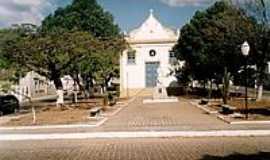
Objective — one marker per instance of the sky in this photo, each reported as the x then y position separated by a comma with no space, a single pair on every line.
129,14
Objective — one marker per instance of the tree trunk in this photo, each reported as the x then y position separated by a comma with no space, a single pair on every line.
226,85
77,83
260,79
260,92
204,84
210,90
89,85
106,85
60,92
75,92
34,115
103,89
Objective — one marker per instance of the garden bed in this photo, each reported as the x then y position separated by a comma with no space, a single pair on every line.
258,111
240,104
49,114
52,115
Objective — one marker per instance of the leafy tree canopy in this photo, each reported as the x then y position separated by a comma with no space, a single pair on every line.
212,39
259,10
51,55
9,70
82,15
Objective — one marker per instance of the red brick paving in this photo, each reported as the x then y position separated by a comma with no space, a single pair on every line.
140,149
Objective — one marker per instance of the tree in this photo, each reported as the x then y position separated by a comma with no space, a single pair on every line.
52,54
100,66
89,16
210,43
10,71
82,15
259,10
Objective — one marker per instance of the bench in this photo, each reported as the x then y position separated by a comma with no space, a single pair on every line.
238,115
96,111
204,101
227,109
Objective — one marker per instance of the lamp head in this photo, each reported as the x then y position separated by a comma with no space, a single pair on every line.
245,48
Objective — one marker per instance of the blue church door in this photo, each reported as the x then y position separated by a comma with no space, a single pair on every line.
151,74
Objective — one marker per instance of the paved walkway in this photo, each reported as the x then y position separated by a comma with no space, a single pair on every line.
181,116
233,148
161,116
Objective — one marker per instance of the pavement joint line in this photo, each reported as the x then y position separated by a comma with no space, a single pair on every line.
124,135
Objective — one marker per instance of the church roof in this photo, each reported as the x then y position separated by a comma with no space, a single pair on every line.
152,31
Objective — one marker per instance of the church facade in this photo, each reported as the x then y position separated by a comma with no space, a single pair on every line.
150,49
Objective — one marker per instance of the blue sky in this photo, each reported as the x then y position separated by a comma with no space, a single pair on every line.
131,13
127,13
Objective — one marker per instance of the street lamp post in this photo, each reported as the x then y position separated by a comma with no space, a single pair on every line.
245,48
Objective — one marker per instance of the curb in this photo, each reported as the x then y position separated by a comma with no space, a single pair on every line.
55,126
250,122
242,122
124,135
203,108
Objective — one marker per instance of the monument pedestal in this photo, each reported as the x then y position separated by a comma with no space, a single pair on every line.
160,94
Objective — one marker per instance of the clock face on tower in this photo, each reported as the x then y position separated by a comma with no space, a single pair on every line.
152,53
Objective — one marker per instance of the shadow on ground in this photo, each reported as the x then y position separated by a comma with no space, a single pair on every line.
237,156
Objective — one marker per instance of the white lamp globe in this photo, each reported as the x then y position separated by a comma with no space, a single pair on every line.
245,48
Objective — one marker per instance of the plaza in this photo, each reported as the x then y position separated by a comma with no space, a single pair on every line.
135,80
142,131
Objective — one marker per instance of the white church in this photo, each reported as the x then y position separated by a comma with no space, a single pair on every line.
150,50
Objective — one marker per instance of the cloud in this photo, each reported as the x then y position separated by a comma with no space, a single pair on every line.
176,3
25,11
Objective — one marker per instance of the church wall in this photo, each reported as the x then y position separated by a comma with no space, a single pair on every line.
133,75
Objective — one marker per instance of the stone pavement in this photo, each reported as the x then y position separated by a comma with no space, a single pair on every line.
253,148
180,116
161,116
